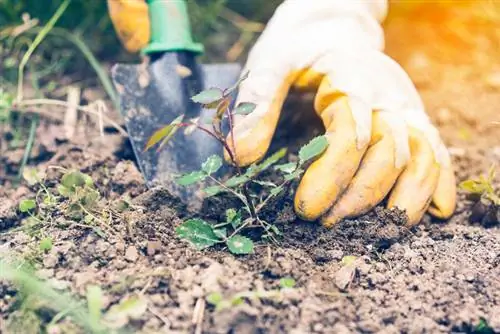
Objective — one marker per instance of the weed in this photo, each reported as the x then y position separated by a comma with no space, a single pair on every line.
220,303
202,234
35,296
74,197
483,187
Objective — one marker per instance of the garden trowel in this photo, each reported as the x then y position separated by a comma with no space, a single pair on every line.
154,94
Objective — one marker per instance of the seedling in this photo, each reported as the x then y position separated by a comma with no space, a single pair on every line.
76,198
483,187
220,303
202,234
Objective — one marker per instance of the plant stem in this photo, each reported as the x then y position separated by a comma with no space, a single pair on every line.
241,197
38,39
29,146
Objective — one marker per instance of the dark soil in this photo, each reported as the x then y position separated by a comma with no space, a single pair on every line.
437,277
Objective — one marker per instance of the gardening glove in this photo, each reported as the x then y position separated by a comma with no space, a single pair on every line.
131,22
381,142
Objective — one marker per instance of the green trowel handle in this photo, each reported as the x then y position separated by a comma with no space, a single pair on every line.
170,27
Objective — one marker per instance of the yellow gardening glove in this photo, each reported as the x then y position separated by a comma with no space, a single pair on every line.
381,141
131,21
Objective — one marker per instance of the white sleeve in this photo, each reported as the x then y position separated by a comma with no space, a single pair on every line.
359,20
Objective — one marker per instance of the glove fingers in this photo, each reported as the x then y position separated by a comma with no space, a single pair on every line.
253,133
131,22
374,179
445,197
328,176
416,185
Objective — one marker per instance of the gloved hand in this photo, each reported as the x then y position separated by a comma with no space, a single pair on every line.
380,139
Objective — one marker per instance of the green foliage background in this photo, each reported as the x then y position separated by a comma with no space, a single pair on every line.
89,18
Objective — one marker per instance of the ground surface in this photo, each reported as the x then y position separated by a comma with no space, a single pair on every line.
437,277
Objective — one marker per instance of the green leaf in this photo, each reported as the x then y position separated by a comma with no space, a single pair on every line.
46,244
312,149
233,217
237,84
74,179
27,205
63,191
214,298
212,164
198,232
191,178
286,168
212,191
287,282
164,133
271,160
240,245
244,108
95,305
221,233
236,181
208,96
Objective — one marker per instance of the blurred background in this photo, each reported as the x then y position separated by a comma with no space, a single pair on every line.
227,28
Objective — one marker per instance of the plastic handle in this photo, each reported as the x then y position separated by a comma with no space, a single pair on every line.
170,27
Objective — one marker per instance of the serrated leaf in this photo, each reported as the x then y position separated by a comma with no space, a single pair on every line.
191,178
233,217
46,244
198,232
208,96
313,149
163,134
27,205
236,181
287,282
212,164
214,298
286,168
244,108
240,245
212,191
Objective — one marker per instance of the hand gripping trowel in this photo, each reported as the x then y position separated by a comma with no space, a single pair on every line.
153,95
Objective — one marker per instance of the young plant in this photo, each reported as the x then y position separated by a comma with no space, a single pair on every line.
483,187
76,198
202,234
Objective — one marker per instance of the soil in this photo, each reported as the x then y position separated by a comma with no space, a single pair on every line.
437,277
